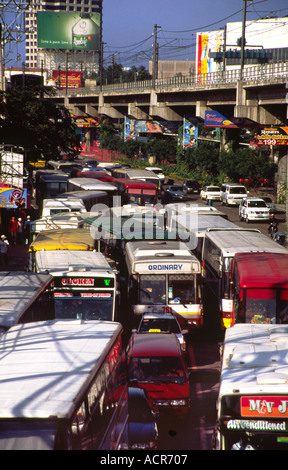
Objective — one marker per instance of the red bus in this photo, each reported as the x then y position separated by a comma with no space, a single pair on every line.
259,288
99,175
136,191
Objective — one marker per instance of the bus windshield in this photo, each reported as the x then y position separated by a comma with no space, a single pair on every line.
95,306
153,289
156,369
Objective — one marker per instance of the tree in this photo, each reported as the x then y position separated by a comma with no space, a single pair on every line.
30,118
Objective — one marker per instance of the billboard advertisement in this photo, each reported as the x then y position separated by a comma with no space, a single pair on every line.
190,132
12,198
273,136
207,43
74,79
68,30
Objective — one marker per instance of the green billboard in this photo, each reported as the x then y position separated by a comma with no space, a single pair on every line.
68,30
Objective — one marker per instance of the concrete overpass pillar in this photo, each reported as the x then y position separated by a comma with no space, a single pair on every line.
201,107
162,110
136,112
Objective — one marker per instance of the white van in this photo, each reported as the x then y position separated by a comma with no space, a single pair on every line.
232,194
56,206
157,171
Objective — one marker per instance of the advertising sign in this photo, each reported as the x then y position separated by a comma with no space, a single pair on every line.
206,43
216,119
264,407
11,198
190,133
74,79
273,136
134,128
68,30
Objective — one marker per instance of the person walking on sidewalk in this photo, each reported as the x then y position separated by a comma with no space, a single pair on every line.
13,229
4,250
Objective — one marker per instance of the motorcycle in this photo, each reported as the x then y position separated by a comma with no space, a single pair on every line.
273,229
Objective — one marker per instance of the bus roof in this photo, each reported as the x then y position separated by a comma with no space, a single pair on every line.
262,269
72,261
99,175
156,344
17,291
243,240
63,239
167,256
255,360
134,173
44,366
200,222
81,194
92,183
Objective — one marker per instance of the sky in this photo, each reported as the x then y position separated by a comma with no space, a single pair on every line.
128,25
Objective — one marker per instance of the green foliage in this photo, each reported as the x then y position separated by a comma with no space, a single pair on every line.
31,118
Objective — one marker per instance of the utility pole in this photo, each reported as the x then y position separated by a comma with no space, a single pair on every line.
155,57
243,40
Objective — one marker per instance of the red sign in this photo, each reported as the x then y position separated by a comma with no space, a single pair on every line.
66,281
74,79
265,407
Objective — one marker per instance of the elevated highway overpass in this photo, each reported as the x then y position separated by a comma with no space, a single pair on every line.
260,95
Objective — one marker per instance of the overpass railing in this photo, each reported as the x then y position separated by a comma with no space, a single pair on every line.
261,74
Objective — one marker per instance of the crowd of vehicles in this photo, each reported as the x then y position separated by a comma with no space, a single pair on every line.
123,288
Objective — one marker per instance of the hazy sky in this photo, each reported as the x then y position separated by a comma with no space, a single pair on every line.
128,25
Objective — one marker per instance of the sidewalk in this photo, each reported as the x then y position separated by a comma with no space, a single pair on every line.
17,258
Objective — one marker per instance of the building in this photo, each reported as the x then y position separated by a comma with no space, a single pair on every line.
55,56
174,68
266,41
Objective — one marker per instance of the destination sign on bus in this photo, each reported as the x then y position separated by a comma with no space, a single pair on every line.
83,282
163,267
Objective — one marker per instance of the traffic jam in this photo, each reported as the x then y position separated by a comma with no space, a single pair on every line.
200,294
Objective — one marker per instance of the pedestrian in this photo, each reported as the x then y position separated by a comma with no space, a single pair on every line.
20,231
27,227
13,229
4,250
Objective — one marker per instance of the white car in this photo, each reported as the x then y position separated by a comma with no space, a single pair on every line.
253,209
269,203
162,323
211,193
157,171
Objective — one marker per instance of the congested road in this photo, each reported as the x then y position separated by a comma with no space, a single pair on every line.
196,433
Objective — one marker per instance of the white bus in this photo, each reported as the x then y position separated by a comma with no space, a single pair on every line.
219,248
61,382
85,285
25,297
164,276
92,184
66,220
87,198
59,205
252,411
191,227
